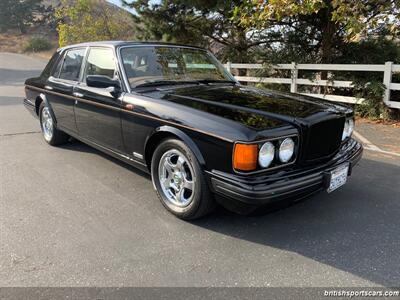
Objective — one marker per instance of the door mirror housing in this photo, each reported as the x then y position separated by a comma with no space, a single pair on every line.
105,82
101,81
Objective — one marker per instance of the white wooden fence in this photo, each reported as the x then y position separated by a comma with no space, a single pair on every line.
388,69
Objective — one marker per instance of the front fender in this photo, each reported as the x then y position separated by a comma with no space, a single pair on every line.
181,135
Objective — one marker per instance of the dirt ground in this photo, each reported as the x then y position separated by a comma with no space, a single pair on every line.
15,43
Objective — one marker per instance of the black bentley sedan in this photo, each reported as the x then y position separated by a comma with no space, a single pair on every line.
175,112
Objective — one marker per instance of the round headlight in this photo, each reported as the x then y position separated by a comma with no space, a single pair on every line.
286,150
266,154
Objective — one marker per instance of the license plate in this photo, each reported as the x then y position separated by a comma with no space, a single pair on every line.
338,177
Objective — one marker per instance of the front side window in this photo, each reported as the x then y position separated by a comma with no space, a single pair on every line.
153,64
71,66
100,62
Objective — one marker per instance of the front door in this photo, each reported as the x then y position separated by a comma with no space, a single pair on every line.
97,112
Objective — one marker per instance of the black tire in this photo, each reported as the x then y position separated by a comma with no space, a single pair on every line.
57,137
202,201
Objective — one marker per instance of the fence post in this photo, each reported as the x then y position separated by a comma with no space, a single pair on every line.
294,73
387,79
228,66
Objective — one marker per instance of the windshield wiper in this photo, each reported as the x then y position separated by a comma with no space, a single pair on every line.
156,83
206,81
165,82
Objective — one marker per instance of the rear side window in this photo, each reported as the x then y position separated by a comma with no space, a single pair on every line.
71,67
100,61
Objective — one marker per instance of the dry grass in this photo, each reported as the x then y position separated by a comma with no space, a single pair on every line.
15,43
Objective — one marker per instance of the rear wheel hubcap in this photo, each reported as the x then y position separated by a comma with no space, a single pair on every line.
47,124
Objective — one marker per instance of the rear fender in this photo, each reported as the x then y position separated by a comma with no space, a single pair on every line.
44,98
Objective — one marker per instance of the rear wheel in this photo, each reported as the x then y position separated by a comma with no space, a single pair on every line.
179,181
51,134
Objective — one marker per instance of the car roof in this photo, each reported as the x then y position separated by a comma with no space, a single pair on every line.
117,44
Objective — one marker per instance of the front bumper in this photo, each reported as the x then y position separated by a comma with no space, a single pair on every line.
294,184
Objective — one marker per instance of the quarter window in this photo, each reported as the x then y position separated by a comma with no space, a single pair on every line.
57,69
71,67
50,65
100,62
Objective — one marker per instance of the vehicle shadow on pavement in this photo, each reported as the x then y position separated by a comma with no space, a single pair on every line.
355,229
75,145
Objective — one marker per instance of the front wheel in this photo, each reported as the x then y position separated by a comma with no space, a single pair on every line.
51,134
179,181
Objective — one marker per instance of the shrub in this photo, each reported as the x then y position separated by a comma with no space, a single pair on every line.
38,44
373,106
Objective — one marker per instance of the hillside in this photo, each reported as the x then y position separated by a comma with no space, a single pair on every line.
15,42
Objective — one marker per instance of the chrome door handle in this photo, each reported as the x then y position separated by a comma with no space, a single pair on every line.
79,95
47,87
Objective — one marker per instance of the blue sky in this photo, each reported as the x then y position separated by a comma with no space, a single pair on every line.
118,2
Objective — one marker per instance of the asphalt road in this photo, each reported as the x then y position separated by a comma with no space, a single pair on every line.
71,216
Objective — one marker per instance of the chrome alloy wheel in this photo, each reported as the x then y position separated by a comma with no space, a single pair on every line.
176,177
47,124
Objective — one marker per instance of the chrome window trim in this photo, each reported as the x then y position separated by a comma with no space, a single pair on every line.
121,67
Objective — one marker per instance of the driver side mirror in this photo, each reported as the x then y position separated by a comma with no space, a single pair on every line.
101,81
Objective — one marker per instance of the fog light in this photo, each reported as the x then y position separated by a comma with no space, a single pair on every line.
351,127
345,130
286,150
266,154
348,129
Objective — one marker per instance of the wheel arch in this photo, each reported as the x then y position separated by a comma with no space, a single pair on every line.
164,132
38,101
42,98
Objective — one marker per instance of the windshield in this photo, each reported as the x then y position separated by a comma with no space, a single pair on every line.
152,65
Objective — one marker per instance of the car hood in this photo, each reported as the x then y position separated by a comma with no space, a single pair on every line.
256,108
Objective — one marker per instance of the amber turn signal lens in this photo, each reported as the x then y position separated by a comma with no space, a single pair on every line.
245,157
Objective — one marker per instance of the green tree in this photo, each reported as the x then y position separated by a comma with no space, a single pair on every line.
331,31
200,22
324,25
18,14
91,20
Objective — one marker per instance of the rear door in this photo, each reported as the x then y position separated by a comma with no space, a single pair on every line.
97,112
60,86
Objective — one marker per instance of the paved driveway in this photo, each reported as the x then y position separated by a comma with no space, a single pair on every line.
71,216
